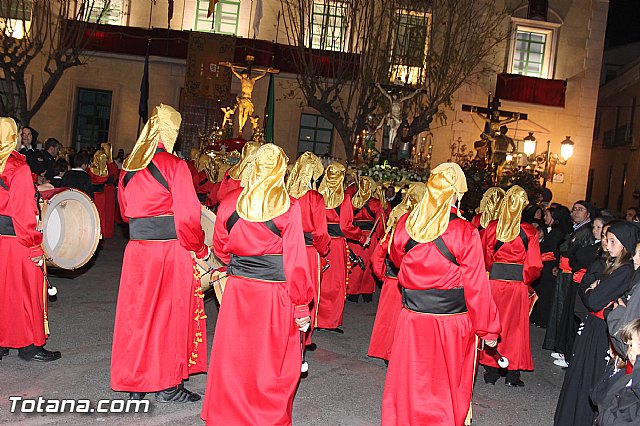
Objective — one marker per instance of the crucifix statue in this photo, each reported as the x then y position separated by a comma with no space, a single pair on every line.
243,73
496,121
394,117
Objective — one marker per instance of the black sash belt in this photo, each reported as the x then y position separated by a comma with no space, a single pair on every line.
506,271
365,225
202,197
435,301
265,268
392,270
308,238
98,188
111,180
6,226
152,228
334,230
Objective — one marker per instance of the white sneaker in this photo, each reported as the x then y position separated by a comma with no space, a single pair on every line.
557,355
561,363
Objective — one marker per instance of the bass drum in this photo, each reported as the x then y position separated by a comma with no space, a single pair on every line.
210,275
71,229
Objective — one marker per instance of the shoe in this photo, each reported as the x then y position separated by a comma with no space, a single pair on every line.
367,298
491,379
137,395
43,355
353,298
557,355
177,394
4,352
333,330
311,347
517,384
561,363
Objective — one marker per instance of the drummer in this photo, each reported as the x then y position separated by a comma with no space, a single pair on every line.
23,309
160,335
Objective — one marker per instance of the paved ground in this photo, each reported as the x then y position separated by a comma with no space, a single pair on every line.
344,386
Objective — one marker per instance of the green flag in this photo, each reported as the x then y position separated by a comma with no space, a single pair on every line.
269,114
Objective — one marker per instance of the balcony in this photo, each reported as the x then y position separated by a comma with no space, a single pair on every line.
533,90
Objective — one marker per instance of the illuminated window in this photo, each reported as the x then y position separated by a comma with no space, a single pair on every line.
409,47
224,19
108,12
15,18
328,25
532,50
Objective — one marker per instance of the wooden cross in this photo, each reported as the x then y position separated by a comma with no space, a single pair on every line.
494,117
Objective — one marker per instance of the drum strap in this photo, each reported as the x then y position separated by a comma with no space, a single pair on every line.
3,185
440,245
523,237
153,169
269,224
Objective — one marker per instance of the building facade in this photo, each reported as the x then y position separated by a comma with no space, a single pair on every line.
560,53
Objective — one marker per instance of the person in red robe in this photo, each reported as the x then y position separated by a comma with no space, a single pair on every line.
390,303
99,175
159,336
300,185
368,215
488,209
447,306
232,177
23,290
512,258
334,280
109,192
257,348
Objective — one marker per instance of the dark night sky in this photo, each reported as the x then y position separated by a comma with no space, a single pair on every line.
623,25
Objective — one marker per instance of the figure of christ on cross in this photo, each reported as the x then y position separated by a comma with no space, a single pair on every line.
394,117
243,73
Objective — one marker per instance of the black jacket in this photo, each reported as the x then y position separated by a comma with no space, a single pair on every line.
574,241
78,180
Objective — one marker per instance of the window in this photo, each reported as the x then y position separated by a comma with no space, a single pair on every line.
328,25
315,134
224,19
4,93
15,18
532,49
93,112
409,46
109,12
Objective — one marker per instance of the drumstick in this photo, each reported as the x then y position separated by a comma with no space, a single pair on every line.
368,240
503,362
51,290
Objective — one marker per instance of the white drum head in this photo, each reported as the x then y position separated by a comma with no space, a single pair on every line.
71,229
208,222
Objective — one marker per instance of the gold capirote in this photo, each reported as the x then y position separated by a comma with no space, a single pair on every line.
162,127
305,171
430,218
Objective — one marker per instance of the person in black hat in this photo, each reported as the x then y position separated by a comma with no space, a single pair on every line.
563,324
589,361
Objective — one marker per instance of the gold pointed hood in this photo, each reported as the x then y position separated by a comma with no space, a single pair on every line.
163,126
264,195
248,151
514,202
8,140
366,188
306,169
331,186
430,218
99,165
490,205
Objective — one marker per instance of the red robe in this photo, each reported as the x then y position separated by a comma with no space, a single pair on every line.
256,354
314,222
351,190
110,200
227,185
475,221
389,306
431,369
333,282
99,198
159,337
22,286
212,195
512,297
362,282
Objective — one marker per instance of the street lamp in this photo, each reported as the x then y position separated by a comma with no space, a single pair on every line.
530,144
566,148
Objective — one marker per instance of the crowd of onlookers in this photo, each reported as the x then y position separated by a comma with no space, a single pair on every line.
51,163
